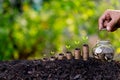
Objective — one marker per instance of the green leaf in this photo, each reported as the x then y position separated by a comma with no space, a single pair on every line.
77,42
68,46
52,52
85,38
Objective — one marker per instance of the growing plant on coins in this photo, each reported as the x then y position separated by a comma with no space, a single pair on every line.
77,44
52,53
84,39
67,47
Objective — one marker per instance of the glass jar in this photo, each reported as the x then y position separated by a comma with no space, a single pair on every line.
103,50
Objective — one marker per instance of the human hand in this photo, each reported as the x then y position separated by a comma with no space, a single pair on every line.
110,20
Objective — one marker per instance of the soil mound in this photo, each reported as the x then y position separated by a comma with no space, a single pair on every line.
92,69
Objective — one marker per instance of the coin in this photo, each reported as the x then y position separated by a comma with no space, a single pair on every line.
98,50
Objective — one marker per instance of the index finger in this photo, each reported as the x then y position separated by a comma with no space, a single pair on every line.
101,21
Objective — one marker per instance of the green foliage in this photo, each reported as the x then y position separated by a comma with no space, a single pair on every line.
26,32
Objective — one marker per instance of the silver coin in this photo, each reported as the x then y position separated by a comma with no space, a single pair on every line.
98,50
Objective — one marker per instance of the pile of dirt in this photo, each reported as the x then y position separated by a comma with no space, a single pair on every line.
92,69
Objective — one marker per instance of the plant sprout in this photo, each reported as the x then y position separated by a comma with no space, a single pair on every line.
76,43
85,39
44,55
52,52
68,46
59,50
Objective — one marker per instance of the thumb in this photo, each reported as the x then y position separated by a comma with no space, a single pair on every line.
111,25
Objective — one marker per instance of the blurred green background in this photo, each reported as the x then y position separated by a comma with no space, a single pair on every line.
32,29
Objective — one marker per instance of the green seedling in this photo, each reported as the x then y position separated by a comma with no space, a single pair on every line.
52,52
85,39
67,46
77,43
44,55
59,50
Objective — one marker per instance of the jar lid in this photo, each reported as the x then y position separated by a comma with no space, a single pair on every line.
104,42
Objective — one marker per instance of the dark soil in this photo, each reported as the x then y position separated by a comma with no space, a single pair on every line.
59,70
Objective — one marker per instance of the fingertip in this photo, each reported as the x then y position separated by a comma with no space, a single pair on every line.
100,23
108,28
100,28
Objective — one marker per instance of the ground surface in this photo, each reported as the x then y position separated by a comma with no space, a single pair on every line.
59,70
